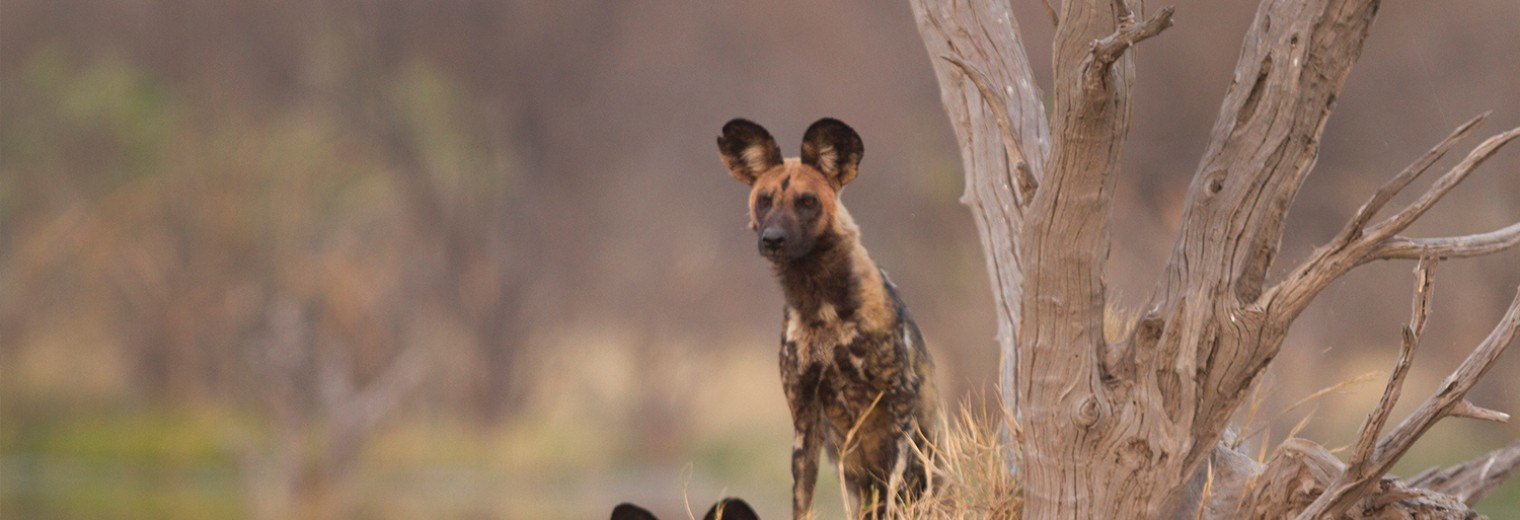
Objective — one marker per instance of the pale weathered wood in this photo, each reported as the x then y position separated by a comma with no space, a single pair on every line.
1359,473
1067,415
1395,185
1448,247
1472,480
1353,485
1360,466
1131,428
1358,244
1204,323
984,35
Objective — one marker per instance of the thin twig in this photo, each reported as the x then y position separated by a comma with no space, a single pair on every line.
1472,480
1471,411
1355,482
1356,478
1442,186
1393,186
1366,437
1027,184
1357,244
1108,49
1448,247
1454,388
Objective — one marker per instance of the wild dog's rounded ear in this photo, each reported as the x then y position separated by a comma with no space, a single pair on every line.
627,511
731,509
833,148
748,150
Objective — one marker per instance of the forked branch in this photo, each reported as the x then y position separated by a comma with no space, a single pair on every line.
1368,466
1472,480
1358,243
1108,49
1357,476
1401,220
1394,186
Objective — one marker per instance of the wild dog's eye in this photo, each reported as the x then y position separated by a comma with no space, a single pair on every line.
808,201
763,202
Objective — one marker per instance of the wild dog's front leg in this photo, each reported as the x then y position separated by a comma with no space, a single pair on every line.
806,446
800,380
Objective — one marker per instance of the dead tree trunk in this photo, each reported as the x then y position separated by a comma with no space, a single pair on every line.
1130,428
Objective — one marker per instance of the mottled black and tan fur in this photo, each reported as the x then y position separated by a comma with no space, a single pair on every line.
853,364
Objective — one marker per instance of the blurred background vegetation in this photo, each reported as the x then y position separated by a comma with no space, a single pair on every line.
478,259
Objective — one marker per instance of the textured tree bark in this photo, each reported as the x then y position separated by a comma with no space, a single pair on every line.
982,39
1131,428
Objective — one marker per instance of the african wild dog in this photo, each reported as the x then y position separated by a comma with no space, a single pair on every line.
854,367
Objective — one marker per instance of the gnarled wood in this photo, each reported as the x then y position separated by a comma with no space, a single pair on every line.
1472,480
984,36
1068,414
1132,428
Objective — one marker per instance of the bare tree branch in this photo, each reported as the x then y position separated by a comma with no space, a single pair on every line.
1366,436
1471,411
1294,61
1388,190
1108,49
984,34
1356,245
1356,475
1398,247
1472,480
1205,331
1027,184
1401,220
1354,483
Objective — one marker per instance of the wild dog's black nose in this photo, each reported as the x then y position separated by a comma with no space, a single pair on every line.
772,238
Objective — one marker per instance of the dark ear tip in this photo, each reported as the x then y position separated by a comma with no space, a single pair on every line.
835,130
830,124
733,509
740,125
627,511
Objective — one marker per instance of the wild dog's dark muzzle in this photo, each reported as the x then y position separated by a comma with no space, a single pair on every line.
780,243
772,240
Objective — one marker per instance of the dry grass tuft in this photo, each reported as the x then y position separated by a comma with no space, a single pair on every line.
972,478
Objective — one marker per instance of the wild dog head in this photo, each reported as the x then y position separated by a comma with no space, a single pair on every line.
726,509
792,202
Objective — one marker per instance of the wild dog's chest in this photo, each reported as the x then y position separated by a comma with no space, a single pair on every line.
834,356
844,370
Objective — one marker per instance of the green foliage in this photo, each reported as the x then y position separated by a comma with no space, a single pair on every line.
106,108
117,463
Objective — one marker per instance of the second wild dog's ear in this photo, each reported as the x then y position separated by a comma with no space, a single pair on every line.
748,150
627,511
731,509
834,149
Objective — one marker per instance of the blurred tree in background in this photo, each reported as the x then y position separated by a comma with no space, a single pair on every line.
391,259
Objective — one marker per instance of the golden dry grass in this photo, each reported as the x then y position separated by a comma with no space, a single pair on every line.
972,477
972,480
